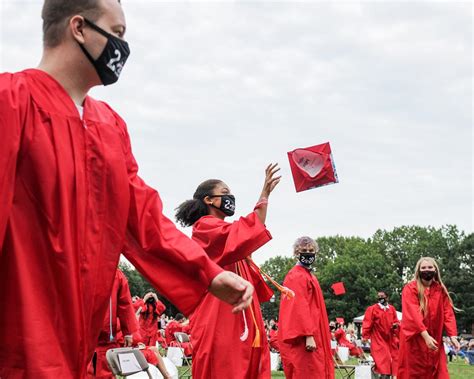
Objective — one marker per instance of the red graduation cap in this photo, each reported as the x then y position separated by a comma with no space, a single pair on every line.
312,167
338,288
340,320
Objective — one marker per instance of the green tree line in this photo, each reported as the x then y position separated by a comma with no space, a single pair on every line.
384,261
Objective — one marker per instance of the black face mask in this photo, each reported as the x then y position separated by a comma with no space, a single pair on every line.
427,275
307,259
382,300
227,204
110,62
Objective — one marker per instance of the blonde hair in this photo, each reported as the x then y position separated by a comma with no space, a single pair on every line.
304,241
421,287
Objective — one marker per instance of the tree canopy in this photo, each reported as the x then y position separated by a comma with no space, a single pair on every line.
383,262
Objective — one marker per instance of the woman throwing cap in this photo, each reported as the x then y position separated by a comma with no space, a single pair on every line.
229,345
427,311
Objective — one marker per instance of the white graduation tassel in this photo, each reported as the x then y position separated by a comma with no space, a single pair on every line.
245,334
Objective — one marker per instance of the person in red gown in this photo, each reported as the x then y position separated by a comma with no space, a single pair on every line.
380,322
229,345
149,316
341,338
119,309
178,325
120,329
273,337
428,311
138,303
304,337
71,201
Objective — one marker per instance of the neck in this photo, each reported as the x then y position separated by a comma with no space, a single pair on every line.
72,73
426,283
216,212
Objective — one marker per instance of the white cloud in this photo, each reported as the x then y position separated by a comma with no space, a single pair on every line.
221,89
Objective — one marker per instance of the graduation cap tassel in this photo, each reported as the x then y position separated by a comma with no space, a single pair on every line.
256,340
245,334
285,291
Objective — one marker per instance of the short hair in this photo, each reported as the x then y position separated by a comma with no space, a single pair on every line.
305,241
56,15
179,317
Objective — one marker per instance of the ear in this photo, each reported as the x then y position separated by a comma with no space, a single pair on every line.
76,26
207,200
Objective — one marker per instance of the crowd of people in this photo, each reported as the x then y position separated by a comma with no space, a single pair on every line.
302,334
71,201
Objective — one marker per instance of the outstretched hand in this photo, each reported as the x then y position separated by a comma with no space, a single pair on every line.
271,180
232,289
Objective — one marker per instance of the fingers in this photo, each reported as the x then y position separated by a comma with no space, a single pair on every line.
274,183
245,299
272,170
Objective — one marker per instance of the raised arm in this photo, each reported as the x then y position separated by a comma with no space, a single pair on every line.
175,265
269,185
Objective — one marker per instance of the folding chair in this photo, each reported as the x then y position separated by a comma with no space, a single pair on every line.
180,339
126,361
343,371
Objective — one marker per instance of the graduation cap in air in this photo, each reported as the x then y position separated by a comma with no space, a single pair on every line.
312,167
338,288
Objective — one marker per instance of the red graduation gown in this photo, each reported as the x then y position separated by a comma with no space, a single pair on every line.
70,200
138,304
415,359
304,315
172,328
149,325
377,326
215,331
119,321
177,327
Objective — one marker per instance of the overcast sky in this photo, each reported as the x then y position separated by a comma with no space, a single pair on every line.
220,89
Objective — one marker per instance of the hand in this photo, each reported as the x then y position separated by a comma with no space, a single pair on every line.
232,289
456,344
431,343
270,180
128,341
310,344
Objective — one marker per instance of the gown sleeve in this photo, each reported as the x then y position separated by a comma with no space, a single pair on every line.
227,243
412,322
367,323
449,318
296,318
174,264
125,311
14,97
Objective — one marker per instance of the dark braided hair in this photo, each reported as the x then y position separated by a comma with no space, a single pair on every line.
192,210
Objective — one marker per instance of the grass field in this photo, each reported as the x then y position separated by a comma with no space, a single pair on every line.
457,370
